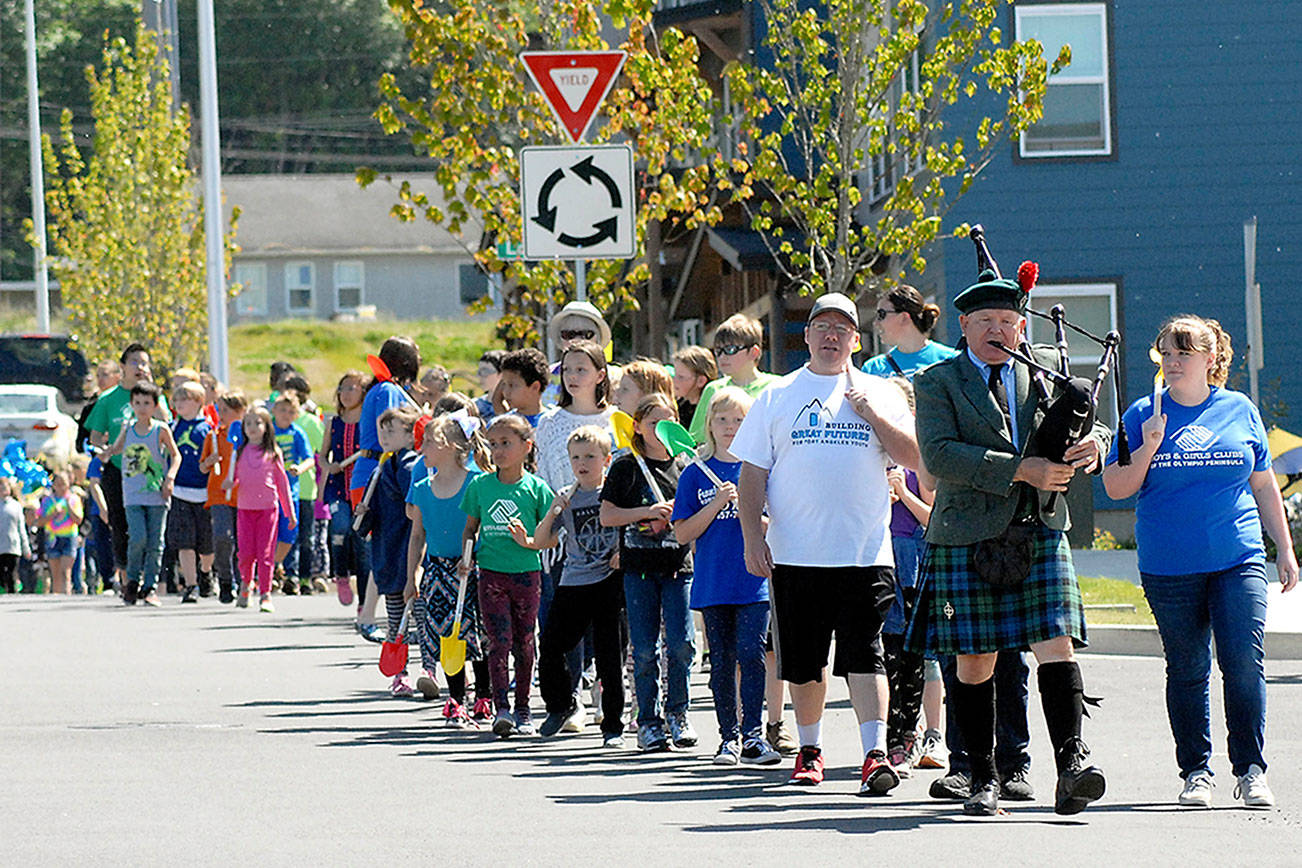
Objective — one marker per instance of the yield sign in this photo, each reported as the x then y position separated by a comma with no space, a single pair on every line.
575,83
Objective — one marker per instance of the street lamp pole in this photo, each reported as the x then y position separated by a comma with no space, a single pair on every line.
42,274
213,222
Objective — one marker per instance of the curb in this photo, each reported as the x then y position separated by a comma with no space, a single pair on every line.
1140,641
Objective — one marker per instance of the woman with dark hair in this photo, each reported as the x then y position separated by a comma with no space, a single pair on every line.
1205,489
905,322
402,357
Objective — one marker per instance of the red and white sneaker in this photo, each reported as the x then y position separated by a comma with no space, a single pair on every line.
399,688
809,768
483,711
877,777
455,716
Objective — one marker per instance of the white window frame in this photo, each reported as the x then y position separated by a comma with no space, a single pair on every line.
291,285
361,285
1066,77
1083,351
255,268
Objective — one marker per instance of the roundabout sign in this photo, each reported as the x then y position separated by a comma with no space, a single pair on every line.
578,201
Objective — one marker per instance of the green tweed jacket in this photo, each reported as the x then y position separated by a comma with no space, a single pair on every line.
967,446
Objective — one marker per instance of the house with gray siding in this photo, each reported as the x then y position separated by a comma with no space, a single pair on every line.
321,247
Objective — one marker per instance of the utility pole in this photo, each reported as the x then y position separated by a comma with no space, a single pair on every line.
160,17
41,272
213,218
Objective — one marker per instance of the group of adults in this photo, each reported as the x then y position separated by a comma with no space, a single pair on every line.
997,575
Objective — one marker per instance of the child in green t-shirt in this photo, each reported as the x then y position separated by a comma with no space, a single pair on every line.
509,574
738,344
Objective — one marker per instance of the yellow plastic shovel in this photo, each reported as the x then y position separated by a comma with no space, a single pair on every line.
623,424
452,648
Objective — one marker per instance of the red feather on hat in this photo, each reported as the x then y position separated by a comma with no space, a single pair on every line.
1027,273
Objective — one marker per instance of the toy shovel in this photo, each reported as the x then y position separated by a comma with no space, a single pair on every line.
393,653
676,439
623,424
452,648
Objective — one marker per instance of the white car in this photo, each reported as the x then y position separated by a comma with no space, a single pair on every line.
32,414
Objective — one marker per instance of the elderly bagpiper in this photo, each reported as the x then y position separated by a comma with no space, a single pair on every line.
998,573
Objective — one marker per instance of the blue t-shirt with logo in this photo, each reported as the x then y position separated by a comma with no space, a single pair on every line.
189,435
721,576
1195,512
295,449
909,363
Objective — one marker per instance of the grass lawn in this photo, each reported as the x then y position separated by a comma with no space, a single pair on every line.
1104,591
324,350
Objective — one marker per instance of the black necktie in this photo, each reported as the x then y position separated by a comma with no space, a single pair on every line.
997,389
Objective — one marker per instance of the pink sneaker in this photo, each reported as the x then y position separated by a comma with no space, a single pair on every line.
455,717
400,688
344,588
483,710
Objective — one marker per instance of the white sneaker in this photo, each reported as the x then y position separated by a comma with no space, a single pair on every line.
576,721
1253,789
1197,792
727,754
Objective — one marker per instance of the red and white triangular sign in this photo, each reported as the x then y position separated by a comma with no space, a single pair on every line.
575,83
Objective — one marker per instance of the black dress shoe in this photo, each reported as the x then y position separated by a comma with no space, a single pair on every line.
984,801
955,787
1016,787
1078,784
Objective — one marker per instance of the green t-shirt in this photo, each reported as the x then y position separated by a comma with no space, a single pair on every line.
112,410
495,504
753,388
314,428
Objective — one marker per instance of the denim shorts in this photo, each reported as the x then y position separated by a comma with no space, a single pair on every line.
61,546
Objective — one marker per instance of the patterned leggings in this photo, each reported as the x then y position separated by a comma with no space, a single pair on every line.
508,607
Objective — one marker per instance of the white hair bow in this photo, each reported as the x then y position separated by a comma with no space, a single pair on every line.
469,424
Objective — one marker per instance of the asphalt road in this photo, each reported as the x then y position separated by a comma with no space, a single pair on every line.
206,735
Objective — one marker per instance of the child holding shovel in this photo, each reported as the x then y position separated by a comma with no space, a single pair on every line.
446,444
590,593
733,602
509,574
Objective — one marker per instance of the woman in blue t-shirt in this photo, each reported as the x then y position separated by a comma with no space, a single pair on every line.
1205,490
905,322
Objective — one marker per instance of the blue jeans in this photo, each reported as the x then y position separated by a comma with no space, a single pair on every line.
145,544
223,544
350,554
908,557
648,597
736,637
1190,610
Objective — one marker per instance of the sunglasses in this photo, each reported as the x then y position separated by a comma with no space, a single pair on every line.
882,313
731,349
577,334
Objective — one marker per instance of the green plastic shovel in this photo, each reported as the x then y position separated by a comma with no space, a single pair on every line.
452,648
679,442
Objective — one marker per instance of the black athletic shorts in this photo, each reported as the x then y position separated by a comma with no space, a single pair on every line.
812,604
189,526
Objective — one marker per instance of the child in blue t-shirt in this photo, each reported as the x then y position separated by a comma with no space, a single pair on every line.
733,603
297,452
189,527
445,444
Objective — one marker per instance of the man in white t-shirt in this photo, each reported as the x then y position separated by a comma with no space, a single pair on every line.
815,447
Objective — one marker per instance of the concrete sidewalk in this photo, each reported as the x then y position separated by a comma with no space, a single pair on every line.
1283,614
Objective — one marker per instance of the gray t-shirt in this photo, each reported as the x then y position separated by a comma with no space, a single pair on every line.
588,546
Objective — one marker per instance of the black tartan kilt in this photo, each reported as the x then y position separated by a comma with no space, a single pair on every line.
957,613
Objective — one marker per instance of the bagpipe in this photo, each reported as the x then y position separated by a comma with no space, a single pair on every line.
1070,414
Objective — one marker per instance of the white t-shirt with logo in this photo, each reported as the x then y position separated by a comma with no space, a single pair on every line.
828,501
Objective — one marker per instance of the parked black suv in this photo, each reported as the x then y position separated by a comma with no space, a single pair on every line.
47,360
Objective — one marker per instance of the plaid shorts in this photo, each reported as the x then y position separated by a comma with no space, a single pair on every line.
957,613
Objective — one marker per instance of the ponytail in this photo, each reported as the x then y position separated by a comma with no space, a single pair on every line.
907,299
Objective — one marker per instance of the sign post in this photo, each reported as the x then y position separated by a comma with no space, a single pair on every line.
578,202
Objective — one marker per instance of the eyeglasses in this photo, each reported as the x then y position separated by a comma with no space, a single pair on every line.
731,349
823,328
882,313
577,334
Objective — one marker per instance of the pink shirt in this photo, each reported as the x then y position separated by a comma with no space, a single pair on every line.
260,480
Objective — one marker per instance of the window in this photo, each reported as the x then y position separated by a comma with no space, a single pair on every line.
1093,307
300,278
882,168
349,290
252,280
474,283
1077,110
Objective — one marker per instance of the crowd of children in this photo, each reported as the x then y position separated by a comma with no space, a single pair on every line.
542,519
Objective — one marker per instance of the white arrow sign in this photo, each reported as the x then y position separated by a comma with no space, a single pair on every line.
578,202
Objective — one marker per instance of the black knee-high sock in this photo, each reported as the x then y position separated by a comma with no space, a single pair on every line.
974,708
457,686
483,686
1062,695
